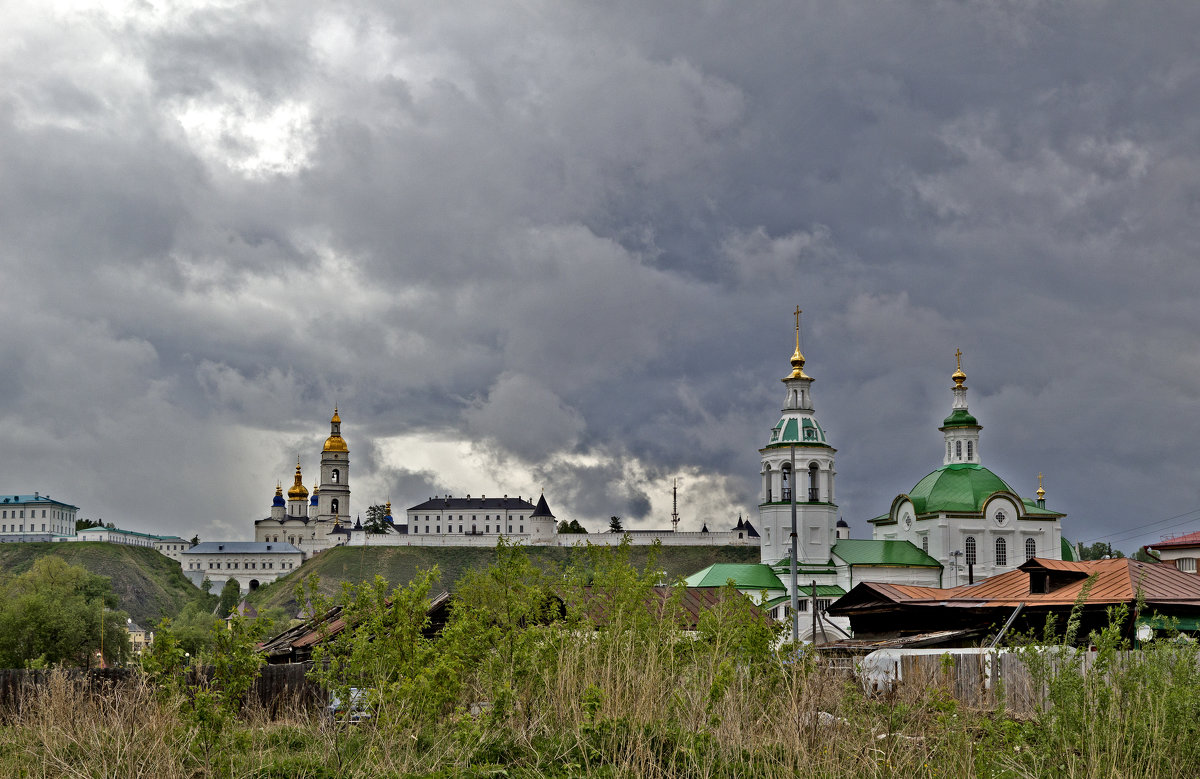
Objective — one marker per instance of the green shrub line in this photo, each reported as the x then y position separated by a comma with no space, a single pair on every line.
565,672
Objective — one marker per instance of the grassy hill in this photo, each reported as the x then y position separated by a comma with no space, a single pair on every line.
398,564
149,585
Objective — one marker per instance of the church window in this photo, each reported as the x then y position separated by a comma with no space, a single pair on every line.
1030,549
333,505
334,476
1001,552
970,450
969,544
925,544
521,529
958,450
813,492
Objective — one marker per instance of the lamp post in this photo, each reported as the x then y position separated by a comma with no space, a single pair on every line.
955,555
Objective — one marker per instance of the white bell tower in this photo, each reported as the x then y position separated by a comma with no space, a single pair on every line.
797,469
960,429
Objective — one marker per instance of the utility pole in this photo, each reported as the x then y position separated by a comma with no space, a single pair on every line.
675,506
794,571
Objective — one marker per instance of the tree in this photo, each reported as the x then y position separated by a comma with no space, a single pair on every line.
1099,550
571,527
55,613
231,594
195,540
614,525
84,524
376,519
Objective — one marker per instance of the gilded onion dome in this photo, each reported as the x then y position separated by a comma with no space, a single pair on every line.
335,442
298,491
798,358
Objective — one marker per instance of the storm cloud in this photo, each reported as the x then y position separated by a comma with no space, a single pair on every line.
557,245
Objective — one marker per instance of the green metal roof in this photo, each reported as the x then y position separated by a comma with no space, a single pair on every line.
1068,551
1032,509
958,487
801,430
959,418
823,591
871,552
745,576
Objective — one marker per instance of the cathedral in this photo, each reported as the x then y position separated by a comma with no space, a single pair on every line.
318,522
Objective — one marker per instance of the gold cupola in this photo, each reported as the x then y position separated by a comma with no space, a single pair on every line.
298,491
335,442
798,358
958,375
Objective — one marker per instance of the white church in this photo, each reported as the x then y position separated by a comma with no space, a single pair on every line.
959,521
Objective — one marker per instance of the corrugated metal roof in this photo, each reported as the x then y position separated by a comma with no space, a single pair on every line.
888,553
1185,540
1116,581
745,576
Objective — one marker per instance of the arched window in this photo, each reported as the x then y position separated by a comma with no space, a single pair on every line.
333,505
767,483
334,476
947,450
1030,549
814,493
785,481
958,450
970,450
1001,552
925,544
969,544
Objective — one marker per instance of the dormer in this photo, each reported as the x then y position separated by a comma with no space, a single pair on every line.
1045,576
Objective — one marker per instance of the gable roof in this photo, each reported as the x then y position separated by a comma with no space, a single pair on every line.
1116,581
863,551
466,504
745,576
1179,542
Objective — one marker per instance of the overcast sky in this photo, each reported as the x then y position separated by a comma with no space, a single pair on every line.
528,245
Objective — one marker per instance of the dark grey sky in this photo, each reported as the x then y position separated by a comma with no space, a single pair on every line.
556,244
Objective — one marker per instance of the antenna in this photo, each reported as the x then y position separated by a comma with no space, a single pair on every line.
675,505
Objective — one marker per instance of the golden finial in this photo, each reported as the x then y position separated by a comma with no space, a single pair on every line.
958,375
797,357
298,489
335,418
1041,493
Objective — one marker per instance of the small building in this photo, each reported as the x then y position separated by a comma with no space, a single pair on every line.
172,547
1037,589
140,639
115,535
36,517
1181,551
251,563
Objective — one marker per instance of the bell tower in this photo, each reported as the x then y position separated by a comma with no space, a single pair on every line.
333,496
960,429
797,469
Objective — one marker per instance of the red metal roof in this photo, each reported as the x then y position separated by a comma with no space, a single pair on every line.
1116,581
1185,540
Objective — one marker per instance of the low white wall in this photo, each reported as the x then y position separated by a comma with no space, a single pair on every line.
563,539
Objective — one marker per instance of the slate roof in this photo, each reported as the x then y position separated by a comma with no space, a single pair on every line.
862,551
467,504
745,576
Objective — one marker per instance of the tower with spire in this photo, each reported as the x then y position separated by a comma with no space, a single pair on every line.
333,500
798,437
960,429
298,495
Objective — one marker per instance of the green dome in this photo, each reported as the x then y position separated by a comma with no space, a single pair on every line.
958,488
801,430
960,418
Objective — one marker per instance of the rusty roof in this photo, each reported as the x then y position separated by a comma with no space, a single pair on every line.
1116,581
1185,540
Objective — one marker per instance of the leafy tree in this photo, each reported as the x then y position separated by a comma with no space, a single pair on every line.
1100,550
55,613
1142,556
195,540
376,519
614,525
84,524
231,594
571,527
193,628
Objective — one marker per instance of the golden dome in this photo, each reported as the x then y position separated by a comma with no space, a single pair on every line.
797,357
298,491
335,418
335,443
958,375
1041,492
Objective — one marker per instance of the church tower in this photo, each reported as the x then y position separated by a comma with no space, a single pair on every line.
797,463
960,429
298,496
333,496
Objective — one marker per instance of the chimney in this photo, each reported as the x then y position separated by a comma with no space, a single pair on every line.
970,573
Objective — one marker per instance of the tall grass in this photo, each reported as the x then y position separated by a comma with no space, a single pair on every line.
523,683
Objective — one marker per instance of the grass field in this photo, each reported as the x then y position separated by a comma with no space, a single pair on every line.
399,564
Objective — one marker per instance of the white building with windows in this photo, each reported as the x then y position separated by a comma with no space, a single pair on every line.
36,517
251,563
171,546
115,535
967,517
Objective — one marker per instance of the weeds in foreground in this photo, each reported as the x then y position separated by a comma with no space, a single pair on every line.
586,672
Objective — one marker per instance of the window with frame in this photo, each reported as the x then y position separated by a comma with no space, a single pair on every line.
925,544
969,547
958,450
970,449
1001,552
1030,549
